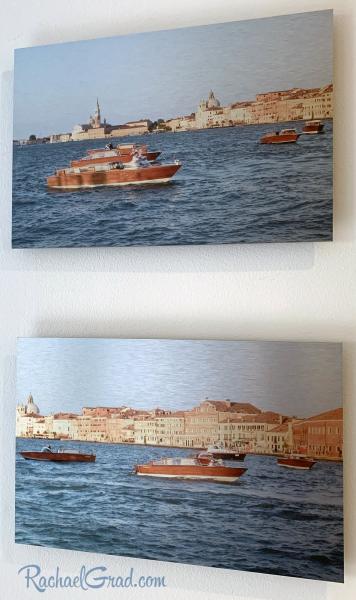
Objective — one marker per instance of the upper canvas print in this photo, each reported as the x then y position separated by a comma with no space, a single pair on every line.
218,134
216,453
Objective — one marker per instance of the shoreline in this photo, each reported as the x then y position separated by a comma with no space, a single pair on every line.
191,449
156,132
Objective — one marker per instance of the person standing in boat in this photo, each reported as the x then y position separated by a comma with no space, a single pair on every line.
109,146
47,448
138,160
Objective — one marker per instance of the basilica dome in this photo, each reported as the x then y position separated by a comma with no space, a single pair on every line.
31,407
212,102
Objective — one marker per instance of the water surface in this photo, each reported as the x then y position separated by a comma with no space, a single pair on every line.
274,520
230,189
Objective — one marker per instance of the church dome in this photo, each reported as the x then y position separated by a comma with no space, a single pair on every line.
31,407
212,102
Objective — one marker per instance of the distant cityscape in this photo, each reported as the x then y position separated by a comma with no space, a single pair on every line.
270,107
236,425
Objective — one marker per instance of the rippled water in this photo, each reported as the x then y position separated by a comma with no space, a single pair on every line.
273,520
229,189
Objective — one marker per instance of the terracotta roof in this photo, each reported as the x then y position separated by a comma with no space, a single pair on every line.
65,416
246,407
263,417
179,413
235,407
279,428
331,415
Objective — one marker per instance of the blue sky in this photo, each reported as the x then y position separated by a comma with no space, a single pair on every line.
66,374
166,73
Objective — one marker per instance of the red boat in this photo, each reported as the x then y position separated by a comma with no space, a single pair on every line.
296,462
112,174
122,153
285,136
202,466
59,455
313,127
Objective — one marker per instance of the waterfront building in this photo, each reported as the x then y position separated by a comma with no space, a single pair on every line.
65,426
128,434
117,428
238,425
131,128
320,435
210,113
248,432
84,428
208,422
279,440
26,417
60,137
145,431
268,107
185,123
170,428
240,113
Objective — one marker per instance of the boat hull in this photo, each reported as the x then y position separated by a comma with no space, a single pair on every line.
113,177
280,139
295,463
313,129
58,456
215,473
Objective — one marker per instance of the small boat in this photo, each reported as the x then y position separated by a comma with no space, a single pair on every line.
296,461
219,451
60,455
285,136
313,127
113,174
201,466
122,153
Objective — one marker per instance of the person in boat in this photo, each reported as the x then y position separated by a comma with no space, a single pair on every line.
138,160
47,448
109,146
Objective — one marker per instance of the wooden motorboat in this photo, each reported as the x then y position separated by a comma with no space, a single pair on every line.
295,461
59,455
219,451
313,127
113,174
202,466
285,136
122,153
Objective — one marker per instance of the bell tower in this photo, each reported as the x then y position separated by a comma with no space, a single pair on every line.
97,116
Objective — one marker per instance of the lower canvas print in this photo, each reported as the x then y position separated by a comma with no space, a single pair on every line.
215,453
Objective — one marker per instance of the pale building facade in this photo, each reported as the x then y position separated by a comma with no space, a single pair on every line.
237,425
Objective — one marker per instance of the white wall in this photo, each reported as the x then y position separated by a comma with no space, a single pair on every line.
277,291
